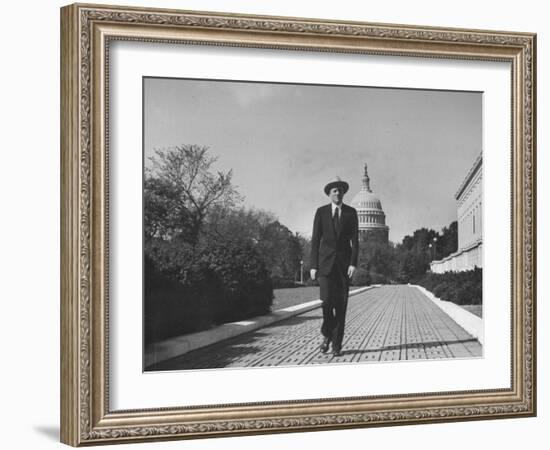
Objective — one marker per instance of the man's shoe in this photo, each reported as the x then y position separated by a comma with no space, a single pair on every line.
337,351
324,345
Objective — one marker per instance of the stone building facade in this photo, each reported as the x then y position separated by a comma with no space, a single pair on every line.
469,198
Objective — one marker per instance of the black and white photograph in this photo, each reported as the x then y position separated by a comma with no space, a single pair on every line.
300,224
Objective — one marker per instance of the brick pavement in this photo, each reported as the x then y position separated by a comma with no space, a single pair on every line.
395,322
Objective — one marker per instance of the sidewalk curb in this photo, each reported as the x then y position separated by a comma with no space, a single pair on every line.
180,345
470,322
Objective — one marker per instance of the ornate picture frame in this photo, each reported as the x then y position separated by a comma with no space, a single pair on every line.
87,31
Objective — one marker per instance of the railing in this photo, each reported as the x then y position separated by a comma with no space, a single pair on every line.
464,259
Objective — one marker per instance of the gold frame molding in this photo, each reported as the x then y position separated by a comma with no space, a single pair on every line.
86,31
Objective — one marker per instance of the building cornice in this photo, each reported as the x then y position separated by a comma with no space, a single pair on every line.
473,171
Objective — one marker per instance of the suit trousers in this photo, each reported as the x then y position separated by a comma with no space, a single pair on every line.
334,291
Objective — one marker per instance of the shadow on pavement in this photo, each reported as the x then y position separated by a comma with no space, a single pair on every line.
408,346
223,353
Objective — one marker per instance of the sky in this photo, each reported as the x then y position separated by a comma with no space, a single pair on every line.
285,142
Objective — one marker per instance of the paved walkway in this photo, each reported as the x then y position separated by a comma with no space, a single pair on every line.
383,324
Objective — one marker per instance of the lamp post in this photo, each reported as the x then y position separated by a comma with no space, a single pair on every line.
301,271
435,246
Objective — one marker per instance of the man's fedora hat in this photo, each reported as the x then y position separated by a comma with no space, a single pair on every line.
337,183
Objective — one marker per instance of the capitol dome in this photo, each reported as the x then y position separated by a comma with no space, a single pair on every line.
372,218
366,200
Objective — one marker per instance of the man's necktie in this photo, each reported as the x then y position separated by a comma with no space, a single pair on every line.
336,221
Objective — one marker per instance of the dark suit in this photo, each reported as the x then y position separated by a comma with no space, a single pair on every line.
332,252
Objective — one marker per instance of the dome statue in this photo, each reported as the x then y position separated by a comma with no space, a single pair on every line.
372,219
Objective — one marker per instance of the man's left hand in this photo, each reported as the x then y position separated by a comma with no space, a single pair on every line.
351,270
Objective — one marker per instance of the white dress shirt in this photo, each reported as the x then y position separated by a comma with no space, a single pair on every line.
338,208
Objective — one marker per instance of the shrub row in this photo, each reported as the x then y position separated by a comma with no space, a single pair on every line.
462,288
189,290
363,277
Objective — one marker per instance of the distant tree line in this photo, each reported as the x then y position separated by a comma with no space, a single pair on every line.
385,262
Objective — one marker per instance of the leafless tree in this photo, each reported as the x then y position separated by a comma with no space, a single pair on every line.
182,189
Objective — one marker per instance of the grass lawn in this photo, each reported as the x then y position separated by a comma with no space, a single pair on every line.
294,296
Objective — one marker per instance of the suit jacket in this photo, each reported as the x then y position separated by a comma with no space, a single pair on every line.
327,246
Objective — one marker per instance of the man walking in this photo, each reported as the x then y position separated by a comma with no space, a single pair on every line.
334,250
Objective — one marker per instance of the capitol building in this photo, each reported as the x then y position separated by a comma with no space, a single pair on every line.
372,219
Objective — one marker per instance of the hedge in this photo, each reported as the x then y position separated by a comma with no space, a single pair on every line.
188,290
462,288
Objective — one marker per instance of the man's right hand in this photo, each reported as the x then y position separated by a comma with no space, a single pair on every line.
313,273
